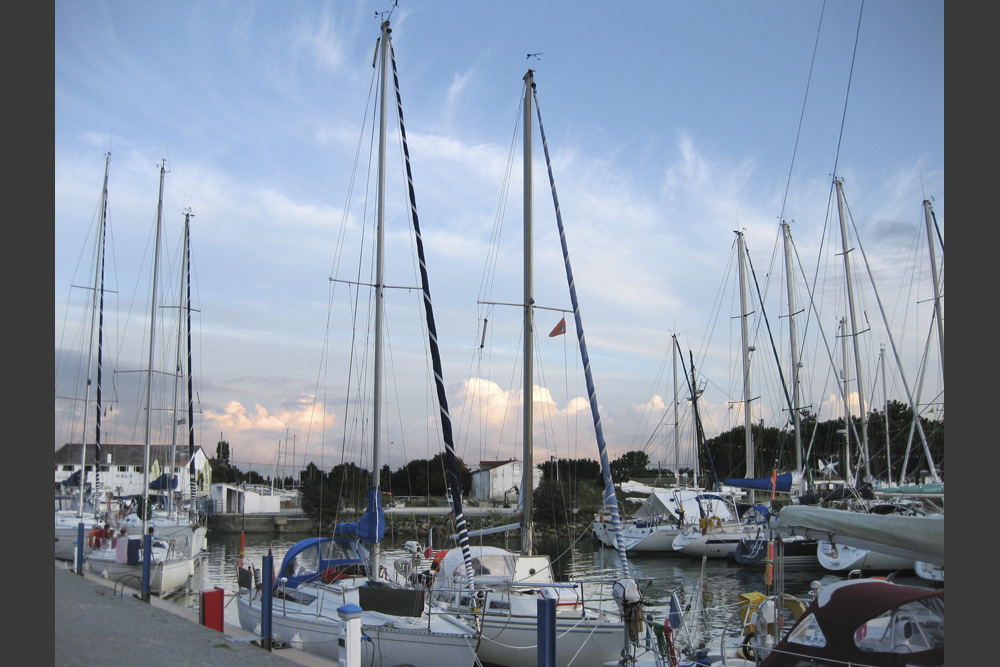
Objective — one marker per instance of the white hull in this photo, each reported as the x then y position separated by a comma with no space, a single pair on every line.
188,539
164,577
929,572
394,640
719,543
512,641
842,558
638,536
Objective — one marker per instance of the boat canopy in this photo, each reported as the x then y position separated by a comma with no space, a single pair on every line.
666,503
869,622
308,559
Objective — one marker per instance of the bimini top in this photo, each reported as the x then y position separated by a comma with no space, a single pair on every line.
317,557
869,622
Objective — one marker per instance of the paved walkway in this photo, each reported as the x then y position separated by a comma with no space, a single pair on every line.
94,624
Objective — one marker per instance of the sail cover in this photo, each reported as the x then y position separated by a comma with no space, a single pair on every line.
783,483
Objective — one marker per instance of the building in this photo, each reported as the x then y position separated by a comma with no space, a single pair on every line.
121,466
500,481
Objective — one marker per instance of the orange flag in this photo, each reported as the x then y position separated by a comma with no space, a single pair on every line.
560,328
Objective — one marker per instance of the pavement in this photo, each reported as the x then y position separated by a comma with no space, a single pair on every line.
95,623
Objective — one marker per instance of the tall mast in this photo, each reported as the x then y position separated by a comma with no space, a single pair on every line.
178,374
97,313
862,412
527,482
379,285
677,437
744,329
885,399
928,217
192,474
796,417
848,471
152,340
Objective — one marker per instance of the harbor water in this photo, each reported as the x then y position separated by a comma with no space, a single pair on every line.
707,590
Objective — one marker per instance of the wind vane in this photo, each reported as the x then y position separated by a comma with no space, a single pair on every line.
533,55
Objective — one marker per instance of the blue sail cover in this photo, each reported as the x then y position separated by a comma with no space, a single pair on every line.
163,482
784,483
371,527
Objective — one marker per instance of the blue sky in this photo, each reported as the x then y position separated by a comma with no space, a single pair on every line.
671,124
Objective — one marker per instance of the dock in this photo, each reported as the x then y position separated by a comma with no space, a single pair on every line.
95,622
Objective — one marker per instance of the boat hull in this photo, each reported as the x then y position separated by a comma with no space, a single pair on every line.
164,577
638,536
583,642
842,558
396,641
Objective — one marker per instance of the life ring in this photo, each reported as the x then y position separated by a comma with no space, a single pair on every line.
715,522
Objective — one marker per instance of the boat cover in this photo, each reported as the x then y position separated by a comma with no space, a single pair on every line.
783,483
917,537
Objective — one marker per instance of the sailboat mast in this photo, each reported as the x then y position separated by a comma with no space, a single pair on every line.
885,403
178,374
928,217
745,333
527,483
677,437
379,283
152,340
862,413
848,471
193,480
97,312
794,341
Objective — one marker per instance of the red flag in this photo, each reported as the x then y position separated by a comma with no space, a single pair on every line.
560,328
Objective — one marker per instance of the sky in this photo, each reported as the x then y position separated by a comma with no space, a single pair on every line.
671,125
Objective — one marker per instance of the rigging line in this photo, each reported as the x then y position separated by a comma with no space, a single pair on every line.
610,498
805,98
895,352
442,395
767,324
847,93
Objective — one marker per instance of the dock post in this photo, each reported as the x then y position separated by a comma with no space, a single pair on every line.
547,632
147,557
350,635
79,549
265,602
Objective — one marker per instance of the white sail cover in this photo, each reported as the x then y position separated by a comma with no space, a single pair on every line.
917,537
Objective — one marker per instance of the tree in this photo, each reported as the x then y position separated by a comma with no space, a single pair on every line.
222,451
628,465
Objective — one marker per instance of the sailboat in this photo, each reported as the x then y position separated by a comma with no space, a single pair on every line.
321,575
714,537
511,585
75,518
183,529
145,561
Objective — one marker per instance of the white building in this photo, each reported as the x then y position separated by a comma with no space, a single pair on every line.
500,481
120,467
232,499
